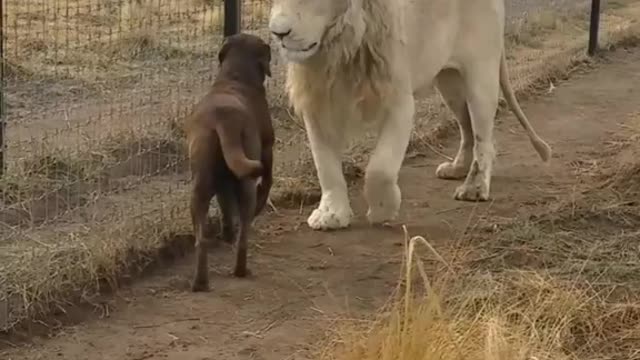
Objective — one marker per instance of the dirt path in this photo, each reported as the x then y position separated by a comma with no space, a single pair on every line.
305,279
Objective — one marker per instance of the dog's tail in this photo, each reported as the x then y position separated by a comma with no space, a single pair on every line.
230,133
543,149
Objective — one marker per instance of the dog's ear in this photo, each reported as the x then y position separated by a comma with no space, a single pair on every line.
226,45
265,59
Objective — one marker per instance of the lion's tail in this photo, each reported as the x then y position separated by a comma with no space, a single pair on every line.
543,149
230,134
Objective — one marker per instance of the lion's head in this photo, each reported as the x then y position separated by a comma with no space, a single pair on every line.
304,28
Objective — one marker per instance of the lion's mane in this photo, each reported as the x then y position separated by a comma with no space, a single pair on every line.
354,57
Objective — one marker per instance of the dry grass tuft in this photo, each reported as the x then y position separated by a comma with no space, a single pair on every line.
500,311
71,262
517,316
141,47
612,187
15,71
530,31
55,272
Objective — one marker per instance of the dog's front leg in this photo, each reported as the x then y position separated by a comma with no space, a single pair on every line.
334,210
247,208
381,188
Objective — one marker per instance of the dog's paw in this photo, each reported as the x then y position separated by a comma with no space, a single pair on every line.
325,218
200,284
228,237
242,272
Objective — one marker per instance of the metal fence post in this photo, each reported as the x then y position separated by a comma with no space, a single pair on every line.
593,27
3,119
232,17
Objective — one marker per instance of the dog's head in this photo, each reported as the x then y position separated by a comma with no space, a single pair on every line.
247,47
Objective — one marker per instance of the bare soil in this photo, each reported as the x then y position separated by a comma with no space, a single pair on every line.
304,280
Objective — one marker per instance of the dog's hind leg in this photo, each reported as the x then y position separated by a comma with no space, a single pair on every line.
228,203
200,198
247,207
267,179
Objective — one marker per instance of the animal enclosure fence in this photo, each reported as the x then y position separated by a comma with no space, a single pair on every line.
92,92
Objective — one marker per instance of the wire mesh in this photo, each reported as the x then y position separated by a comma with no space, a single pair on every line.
95,93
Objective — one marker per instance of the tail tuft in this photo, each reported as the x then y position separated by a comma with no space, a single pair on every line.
542,148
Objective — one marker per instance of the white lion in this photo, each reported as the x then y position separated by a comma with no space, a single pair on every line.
360,62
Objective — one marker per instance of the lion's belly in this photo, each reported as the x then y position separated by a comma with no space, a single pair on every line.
430,35
446,34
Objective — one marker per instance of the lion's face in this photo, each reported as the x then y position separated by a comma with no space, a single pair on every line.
298,26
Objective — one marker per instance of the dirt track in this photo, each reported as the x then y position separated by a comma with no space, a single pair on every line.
304,279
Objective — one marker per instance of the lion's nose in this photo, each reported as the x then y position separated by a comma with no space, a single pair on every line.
280,24
281,34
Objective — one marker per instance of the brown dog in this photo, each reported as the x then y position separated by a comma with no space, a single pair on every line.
230,138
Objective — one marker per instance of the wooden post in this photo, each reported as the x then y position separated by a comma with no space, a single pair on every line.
593,27
232,17
3,118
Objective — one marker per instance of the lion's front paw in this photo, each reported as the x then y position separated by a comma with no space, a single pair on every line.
450,171
384,204
325,218
472,191
381,215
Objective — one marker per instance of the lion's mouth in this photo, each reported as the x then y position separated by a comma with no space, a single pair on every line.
303,50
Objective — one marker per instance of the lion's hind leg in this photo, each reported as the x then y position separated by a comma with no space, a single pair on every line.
451,87
482,89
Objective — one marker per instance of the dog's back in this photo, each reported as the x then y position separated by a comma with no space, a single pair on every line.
222,135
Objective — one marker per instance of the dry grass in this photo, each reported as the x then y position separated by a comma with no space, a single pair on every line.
53,37
560,286
518,316
115,170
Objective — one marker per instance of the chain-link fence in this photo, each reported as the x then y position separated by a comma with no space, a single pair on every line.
94,92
